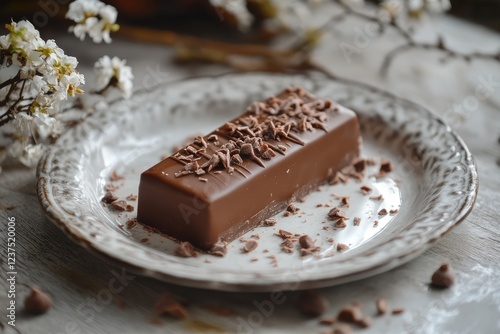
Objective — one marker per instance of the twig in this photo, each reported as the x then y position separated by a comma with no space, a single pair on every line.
438,46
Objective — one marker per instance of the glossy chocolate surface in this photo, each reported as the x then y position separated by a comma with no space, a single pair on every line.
249,169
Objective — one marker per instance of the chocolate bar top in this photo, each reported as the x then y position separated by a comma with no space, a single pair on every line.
214,165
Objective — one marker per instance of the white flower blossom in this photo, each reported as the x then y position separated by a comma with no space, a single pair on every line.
93,18
416,7
294,15
112,72
42,76
438,6
27,154
237,8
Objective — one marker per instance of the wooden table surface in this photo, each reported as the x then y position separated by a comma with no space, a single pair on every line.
79,281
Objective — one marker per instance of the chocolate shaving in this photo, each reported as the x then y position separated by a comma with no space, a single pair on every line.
292,208
350,314
250,245
397,311
109,197
285,234
340,223
269,222
386,167
336,213
131,223
121,205
364,322
359,165
356,221
115,176
344,201
218,249
341,329
342,247
287,246
382,305
382,212
377,198
131,197
366,190
168,305
186,249
393,212
327,321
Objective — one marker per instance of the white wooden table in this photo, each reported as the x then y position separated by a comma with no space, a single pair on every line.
79,281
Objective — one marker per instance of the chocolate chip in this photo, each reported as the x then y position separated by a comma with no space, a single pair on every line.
350,314
382,305
444,277
109,197
186,249
37,302
292,208
250,245
168,305
312,303
306,242
394,211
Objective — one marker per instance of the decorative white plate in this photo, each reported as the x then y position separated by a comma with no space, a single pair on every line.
434,185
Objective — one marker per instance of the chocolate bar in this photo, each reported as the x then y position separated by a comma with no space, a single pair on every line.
227,182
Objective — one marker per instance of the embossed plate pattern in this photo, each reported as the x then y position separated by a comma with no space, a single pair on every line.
434,185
